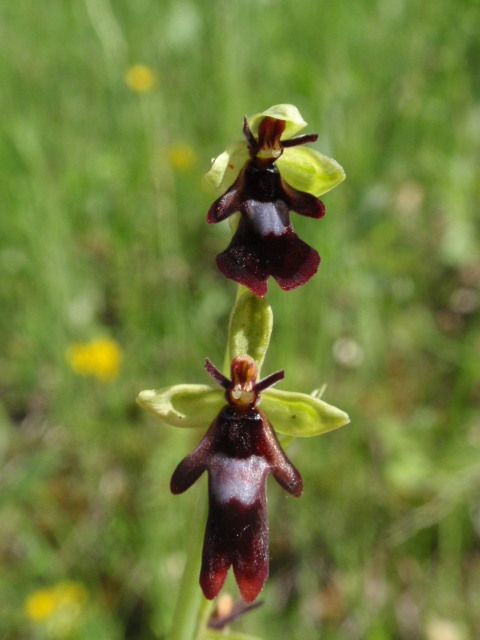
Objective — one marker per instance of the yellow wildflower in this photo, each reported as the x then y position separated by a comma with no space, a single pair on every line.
182,156
40,605
99,358
140,78
59,600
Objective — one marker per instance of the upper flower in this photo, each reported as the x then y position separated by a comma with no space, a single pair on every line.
274,174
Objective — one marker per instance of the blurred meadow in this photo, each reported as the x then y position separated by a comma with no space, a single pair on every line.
110,114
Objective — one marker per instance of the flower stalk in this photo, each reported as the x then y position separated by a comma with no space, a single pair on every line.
190,601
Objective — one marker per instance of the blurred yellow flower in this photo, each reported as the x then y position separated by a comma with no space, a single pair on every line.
100,358
64,598
182,156
40,605
140,78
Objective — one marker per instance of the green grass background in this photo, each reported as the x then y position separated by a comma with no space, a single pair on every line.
99,235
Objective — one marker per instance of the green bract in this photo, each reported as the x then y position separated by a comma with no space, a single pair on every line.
250,327
302,168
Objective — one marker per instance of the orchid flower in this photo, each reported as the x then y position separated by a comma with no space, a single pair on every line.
272,174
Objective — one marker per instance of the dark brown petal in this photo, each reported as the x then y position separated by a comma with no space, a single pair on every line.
229,203
192,467
282,469
249,137
302,203
217,375
269,381
303,139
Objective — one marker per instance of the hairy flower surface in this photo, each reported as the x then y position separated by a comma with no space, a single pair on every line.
238,451
273,175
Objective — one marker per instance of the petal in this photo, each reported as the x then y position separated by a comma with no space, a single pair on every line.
287,112
302,202
226,167
309,170
301,415
282,469
229,203
250,327
192,406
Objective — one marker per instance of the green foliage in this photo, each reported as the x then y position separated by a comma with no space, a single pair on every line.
103,233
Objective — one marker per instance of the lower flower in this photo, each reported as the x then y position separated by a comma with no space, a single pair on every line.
238,451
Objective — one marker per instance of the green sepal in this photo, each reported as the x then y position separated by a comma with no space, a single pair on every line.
286,112
300,415
195,406
192,406
250,327
226,167
309,170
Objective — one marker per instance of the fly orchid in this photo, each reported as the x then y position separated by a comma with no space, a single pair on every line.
239,450
273,174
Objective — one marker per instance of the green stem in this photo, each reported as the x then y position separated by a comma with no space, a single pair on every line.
190,599
206,607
